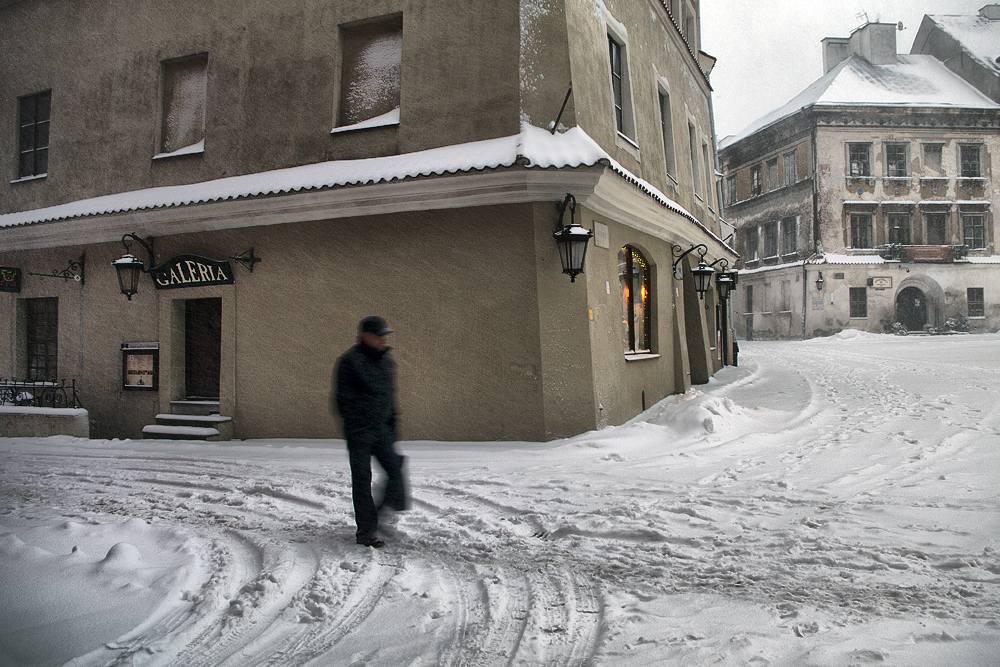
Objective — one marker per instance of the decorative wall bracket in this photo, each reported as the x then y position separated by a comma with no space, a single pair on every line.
73,271
247,259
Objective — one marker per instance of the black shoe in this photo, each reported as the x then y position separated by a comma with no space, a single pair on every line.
373,542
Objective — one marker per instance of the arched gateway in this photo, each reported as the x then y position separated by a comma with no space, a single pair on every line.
911,308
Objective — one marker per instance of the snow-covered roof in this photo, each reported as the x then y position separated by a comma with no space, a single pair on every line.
912,81
533,147
831,258
979,37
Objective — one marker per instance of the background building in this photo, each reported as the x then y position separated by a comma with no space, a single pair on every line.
388,158
866,201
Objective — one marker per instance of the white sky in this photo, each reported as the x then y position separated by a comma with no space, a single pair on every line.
769,50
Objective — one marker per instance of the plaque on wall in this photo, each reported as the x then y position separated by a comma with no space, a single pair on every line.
10,279
141,366
192,271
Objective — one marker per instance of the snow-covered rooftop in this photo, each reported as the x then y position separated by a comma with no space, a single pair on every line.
912,81
979,36
533,147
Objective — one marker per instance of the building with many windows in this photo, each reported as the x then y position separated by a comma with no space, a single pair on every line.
866,202
273,172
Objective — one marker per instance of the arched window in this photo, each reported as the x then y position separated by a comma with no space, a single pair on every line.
633,273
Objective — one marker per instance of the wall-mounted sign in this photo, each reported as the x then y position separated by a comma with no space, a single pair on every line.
191,271
10,279
881,282
141,366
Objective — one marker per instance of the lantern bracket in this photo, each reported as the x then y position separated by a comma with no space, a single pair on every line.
145,243
679,254
247,259
73,271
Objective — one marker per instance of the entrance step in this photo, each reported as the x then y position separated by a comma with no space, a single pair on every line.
191,420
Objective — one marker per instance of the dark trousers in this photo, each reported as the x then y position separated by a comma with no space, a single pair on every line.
365,510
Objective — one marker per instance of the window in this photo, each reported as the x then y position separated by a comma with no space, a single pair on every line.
772,175
667,128
370,75
933,164
974,227
749,299
977,304
771,239
620,87
859,159
709,172
899,228
35,112
790,176
861,230
185,83
859,302
937,225
731,190
789,236
970,160
756,187
633,273
42,339
693,144
897,160
786,297
753,237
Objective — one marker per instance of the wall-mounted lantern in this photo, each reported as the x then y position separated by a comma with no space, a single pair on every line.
819,282
128,266
702,273
572,239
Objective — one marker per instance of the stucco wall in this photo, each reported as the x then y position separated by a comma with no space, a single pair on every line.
272,91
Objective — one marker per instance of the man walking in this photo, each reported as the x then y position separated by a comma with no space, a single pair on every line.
365,399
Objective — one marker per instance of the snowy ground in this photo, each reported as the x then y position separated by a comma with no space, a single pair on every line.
830,502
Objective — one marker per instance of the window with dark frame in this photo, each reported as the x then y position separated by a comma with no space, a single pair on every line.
617,84
35,113
771,239
693,145
970,160
42,339
789,236
371,70
861,230
937,228
859,302
730,190
634,276
897,160
977,302
756,186
667,128
709,173
899,228
974,229
859,159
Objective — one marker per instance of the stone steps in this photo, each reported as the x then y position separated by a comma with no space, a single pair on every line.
191,420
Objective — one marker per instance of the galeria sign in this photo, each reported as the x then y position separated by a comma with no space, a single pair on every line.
191,271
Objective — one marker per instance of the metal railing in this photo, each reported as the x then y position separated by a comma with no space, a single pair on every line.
26,393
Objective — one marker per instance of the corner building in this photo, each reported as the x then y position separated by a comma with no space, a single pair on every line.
868,200
281,170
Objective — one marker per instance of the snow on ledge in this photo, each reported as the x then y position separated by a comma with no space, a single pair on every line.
48,412
384,120
532,147
193,149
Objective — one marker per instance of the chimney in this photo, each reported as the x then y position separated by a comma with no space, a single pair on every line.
990,12
875,42
834,52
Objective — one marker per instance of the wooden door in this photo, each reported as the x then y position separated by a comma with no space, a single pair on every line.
202,348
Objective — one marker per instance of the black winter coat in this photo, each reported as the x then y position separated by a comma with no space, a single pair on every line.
365,395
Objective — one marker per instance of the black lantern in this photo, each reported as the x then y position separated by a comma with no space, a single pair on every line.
572,240
702,278
724,285
128,266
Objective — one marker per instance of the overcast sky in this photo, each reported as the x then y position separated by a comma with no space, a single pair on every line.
769,50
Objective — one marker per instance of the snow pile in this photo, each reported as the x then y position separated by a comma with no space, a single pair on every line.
830,502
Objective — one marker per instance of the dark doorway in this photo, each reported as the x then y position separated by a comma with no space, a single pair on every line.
202,347
911,309
42,339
